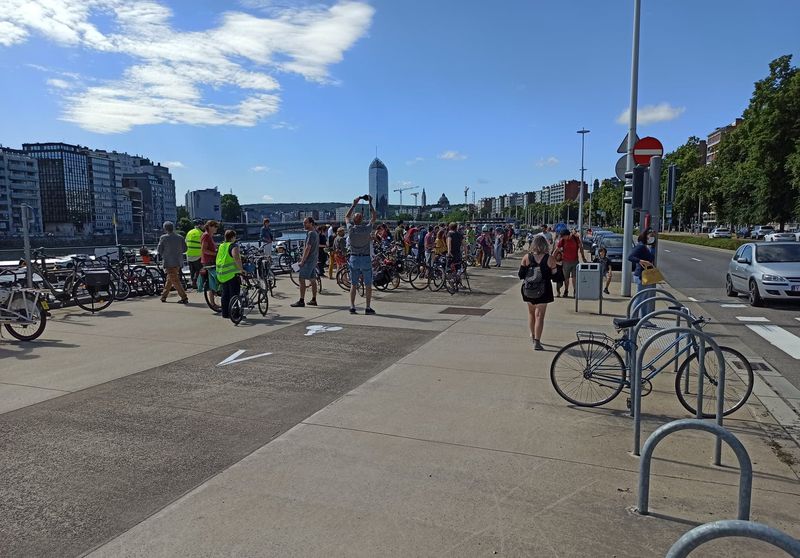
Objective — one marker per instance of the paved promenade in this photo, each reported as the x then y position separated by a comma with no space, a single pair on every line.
431,429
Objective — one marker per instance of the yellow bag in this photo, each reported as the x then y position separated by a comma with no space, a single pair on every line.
651,276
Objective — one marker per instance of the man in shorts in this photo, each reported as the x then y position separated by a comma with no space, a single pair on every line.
359,237
308,264
570,247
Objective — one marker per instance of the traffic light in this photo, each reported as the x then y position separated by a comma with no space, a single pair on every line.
634,192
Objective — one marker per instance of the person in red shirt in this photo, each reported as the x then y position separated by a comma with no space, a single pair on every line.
408,240
569,247
208,256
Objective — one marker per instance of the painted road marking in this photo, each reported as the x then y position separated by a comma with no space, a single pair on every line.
234,358
314,329
670,251
733,305
751,319
693,299
789,343
697,259
798,319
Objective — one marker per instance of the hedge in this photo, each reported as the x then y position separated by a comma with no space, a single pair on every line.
725,243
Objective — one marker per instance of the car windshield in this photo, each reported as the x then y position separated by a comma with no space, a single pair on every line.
612,241
778,254
722,230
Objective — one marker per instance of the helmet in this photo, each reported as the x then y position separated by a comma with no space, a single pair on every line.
198,222
485,228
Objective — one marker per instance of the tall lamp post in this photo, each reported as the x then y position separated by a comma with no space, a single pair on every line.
582,132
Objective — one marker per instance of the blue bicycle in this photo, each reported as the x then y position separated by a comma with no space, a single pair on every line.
590,372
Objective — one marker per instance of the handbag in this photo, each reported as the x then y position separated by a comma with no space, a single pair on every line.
651,276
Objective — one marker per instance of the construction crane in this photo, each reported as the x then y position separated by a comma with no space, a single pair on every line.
466,190
402,189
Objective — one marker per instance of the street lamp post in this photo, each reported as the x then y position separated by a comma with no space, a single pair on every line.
583,133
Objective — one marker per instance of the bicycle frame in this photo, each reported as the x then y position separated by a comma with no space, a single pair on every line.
9,315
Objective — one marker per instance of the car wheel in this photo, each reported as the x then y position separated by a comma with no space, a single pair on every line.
729,287
755,296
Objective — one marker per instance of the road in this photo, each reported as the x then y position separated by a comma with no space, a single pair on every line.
699,273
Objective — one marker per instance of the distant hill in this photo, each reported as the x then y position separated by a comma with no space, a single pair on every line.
287,207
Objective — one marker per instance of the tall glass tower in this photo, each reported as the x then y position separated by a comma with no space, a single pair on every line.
379,187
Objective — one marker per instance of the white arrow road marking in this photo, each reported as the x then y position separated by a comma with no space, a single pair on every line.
693,299
234,358
697,259
789,343
314,329
670,251
751,319
798,319
733,305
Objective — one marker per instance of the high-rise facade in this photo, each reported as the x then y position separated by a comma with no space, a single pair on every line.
379,187
67,202
19,184
204,204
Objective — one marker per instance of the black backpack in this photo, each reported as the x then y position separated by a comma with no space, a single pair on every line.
534,284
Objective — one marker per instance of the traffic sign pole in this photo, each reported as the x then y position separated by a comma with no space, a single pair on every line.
628,210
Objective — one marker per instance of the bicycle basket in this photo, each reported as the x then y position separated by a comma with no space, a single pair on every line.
594,336
97,278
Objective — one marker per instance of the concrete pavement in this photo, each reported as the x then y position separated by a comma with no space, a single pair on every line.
458,446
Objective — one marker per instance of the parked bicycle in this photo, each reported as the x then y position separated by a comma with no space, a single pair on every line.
590,372
254,292
91,289
23,311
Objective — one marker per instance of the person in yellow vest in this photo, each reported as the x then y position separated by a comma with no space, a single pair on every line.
193,251
229,266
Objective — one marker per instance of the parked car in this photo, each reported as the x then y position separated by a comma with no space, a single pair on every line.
744,232
759,231
780,237
612,242
765,271
589,239
720,232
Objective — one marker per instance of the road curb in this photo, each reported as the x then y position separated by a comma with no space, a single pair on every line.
713,248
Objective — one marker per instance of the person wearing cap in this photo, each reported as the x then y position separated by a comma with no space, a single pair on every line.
194,251
171,248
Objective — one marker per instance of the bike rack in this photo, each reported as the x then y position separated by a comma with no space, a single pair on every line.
636,383
647,292
745,466
633,335
675,305
732,528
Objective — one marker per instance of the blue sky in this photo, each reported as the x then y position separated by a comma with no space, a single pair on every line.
287,100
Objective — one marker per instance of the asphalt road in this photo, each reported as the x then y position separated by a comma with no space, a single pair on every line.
699,273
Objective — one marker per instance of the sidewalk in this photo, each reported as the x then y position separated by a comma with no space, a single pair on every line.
463,448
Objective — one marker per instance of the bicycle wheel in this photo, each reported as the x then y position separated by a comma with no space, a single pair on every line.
738,382
123,289
343,278
236,309
284,262
451,282
319,283
35,318
465,281
421,280
437,279
92,298
263,302
213,299
293,277
588,373
410,271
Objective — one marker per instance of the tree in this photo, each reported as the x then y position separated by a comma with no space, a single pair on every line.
607,202
184,224
182,212
231,210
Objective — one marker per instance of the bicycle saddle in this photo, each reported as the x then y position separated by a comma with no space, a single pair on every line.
625,323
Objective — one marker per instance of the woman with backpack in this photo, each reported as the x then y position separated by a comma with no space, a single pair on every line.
536,272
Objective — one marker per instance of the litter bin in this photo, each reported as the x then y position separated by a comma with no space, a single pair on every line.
588,284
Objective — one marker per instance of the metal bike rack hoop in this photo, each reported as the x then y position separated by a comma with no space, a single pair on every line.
745,466
634,335
675,304
648,292
732,528
636,382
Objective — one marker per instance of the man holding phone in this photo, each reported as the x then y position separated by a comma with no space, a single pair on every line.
360,241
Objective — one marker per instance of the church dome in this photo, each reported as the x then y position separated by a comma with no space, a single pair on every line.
443,201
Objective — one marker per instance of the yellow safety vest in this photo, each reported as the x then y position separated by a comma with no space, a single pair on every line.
193,248
226,264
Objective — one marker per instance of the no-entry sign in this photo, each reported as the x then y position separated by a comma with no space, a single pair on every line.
646,148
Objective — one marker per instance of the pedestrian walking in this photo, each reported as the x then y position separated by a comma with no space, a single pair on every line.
643,255
266,238
208,257
360,239
229,269
485,243
570,248
536,271
499,237
193,251
308,264
605,266
171,248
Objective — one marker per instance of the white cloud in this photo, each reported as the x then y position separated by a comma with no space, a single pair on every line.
551,161
452,156
267,198
284,126
651,114
58,83
170,68
415,160
259,168
174,164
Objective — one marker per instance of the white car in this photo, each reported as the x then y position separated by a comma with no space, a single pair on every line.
780,237
759,232
765,271
720,232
